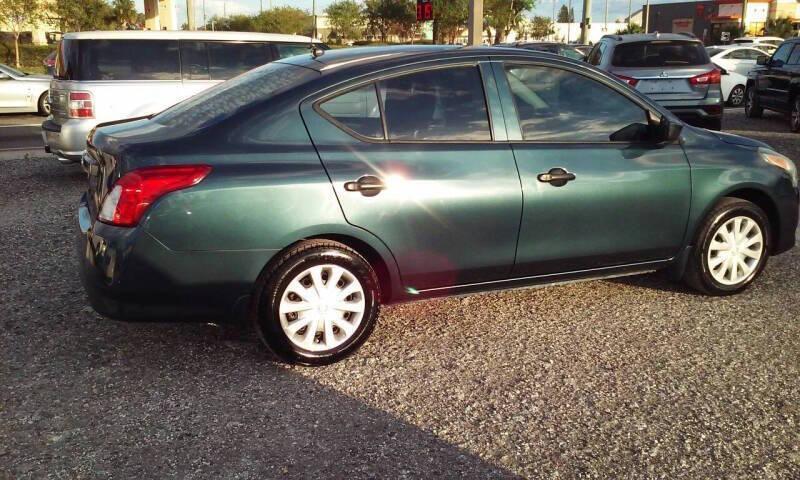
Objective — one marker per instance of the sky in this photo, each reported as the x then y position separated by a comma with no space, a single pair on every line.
616,8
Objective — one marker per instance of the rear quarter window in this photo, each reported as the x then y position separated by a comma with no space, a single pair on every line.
123,60
660,53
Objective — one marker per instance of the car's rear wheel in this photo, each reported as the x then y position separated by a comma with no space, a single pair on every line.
794,121
317,304
736,97
752,107
43,105
731,248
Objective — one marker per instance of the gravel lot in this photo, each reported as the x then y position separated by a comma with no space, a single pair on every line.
608,379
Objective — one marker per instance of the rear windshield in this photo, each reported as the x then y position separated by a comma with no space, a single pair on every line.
222,100
660,53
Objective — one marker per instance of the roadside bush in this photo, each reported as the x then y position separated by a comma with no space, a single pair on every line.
31,56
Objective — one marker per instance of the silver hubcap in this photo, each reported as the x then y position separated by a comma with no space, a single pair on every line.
322,308
737,96
735,250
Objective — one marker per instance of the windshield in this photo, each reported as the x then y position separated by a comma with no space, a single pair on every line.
222,100
660,53
13,71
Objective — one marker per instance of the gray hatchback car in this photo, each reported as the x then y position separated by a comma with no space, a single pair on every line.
672,69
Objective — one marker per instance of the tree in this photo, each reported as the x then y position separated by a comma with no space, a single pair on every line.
79,15
241,23
289,20
449,18
505,15
631,28
779,27
541,27
124,13
566,15
17,15
345,18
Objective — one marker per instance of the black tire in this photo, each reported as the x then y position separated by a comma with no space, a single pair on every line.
752,107
43,107
794,119
274,281
736,97
697,273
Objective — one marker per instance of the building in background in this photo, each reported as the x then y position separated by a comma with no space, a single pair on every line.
160,15
713,20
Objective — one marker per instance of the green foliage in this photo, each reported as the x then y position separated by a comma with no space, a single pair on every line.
275,20
450,17
123,13
17,15
541,27
80,15
505,15
386,17
631,28
345,18
30,56
566,15
779,27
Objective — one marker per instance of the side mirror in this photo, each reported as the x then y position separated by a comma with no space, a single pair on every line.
762,60
663,130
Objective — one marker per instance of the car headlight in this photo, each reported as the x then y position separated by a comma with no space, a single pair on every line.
780,161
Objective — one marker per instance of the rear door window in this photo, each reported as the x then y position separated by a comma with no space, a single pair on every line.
794,58
660,53
229,59
292,49
194,60
127,60
439,104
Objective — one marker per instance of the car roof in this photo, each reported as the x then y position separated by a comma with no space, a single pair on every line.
333,60
184,35
756,39
646,37
740,46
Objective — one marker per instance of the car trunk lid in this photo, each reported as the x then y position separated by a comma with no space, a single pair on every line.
667,84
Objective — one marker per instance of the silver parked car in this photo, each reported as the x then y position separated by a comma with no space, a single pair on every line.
114,75
21,92
672,69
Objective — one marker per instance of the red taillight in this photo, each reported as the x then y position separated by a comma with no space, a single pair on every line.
80,105
127,202
714,77
629,80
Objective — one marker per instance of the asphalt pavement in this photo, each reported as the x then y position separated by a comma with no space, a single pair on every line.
629,378
20,133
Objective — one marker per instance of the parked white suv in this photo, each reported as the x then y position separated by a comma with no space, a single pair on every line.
106,76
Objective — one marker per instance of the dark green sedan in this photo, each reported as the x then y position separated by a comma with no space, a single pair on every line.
306,193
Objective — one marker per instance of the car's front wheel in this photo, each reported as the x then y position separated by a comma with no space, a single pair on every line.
317,303
731,248
752,107
43,106
794,121
736,97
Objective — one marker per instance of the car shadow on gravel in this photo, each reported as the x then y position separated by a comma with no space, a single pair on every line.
154,400
654,281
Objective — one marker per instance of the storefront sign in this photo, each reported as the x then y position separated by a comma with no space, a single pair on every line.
730,10
757,12
683,25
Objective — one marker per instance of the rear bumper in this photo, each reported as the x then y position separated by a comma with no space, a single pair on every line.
67,140
695,111
129,275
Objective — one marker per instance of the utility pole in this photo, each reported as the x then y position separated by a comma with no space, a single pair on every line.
314,18
587,13
647,18
569,20
204,15
605,20
630,3
260,6
475,24
190,14
554,18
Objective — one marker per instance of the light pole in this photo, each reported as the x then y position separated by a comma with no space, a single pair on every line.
569,19
647,18
605,20
587,12
475,24
190,14
314,18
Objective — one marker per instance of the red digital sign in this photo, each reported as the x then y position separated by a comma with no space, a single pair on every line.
424,10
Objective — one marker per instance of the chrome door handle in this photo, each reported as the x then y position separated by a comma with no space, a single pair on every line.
557,177
368,185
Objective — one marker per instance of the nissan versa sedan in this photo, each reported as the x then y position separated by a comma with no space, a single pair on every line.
306,193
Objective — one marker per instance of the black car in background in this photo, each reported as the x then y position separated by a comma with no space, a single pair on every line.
776,84
562,49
